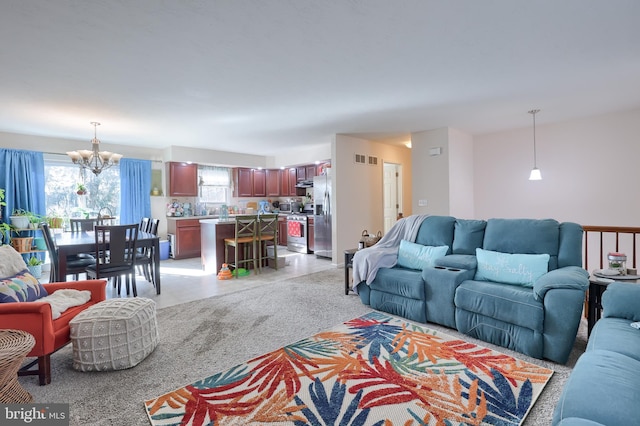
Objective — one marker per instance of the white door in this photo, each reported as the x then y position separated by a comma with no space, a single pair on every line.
391,200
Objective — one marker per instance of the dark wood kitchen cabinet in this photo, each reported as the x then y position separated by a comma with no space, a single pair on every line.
282,230
301,173
292,182
311,171
250,182
310,233
273,182
259,183
288,181
182,179
187,232
243,179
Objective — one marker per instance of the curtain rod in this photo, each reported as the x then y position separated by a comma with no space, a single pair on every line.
65,155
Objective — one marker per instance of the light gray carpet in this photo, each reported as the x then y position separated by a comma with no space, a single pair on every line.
200,338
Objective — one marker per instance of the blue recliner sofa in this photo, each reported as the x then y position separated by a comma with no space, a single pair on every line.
538,318
603,388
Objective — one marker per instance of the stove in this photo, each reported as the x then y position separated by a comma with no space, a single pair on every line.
297,236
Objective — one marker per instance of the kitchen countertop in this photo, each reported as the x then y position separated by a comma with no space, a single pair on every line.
209,216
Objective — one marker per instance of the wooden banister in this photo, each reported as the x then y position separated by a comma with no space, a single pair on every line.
629,238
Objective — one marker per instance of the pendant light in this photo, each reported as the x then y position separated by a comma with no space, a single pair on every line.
535,172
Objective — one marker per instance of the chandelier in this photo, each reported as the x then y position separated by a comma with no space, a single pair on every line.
94,159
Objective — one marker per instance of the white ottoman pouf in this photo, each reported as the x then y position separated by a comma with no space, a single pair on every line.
114,334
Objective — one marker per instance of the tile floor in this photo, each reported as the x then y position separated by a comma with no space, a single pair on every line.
185,280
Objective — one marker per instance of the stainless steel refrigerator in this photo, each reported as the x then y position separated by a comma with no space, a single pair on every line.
322,214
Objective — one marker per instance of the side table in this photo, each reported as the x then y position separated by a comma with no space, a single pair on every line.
14,347
348,264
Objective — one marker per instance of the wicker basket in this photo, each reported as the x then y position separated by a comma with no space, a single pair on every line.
22,244
368,240
14,346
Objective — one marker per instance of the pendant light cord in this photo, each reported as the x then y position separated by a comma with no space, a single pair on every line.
535,156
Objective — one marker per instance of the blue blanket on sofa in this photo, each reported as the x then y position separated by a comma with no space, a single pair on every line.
384,254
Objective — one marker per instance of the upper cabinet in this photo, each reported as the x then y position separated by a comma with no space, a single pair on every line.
273,182
310,171
249,182
301,172
182,179
291,190
259,183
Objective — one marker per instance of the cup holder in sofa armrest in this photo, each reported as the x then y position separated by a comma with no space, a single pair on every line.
443,274
448,269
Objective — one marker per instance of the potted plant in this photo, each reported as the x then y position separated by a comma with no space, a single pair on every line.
81,189
19,243
34,220
5,229
34,265
2,202
55,218
19,219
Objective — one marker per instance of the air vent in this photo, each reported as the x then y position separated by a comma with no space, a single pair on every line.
361,159
373,161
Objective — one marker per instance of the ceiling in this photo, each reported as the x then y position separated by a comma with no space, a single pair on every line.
257,76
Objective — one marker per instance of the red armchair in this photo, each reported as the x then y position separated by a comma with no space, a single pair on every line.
51,335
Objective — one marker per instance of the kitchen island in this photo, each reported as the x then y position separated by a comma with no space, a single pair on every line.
212,235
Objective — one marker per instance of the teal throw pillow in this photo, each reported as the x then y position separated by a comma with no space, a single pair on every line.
417,256
518,269
22,287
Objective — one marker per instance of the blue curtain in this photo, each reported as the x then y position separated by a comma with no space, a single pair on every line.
22,177
135,190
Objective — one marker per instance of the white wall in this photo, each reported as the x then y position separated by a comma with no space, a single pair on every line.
358,191
430,174
461,199
590,169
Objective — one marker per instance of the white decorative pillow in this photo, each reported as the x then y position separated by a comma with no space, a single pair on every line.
519,269
417,256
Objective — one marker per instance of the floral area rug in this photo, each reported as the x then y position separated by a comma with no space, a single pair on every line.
372,370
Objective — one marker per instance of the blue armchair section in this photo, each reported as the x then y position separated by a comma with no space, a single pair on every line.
538,315
604,386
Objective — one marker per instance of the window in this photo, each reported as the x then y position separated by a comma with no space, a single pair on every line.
61,187
214,184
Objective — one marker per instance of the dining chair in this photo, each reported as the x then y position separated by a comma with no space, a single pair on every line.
83,225
115,255
144,224
245,237
75,265
144,256
267,235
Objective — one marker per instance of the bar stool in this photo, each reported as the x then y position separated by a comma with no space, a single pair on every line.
267,233
246,233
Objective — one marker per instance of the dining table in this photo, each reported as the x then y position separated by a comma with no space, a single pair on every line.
72,243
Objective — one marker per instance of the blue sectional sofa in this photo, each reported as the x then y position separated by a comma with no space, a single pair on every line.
539,318
603,386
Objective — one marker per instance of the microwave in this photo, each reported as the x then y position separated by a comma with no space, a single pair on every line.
285,207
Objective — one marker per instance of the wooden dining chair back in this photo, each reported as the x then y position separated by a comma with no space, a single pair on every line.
153,226
75,265
267,236
116,255
144,257
245,238
83,225
144,224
